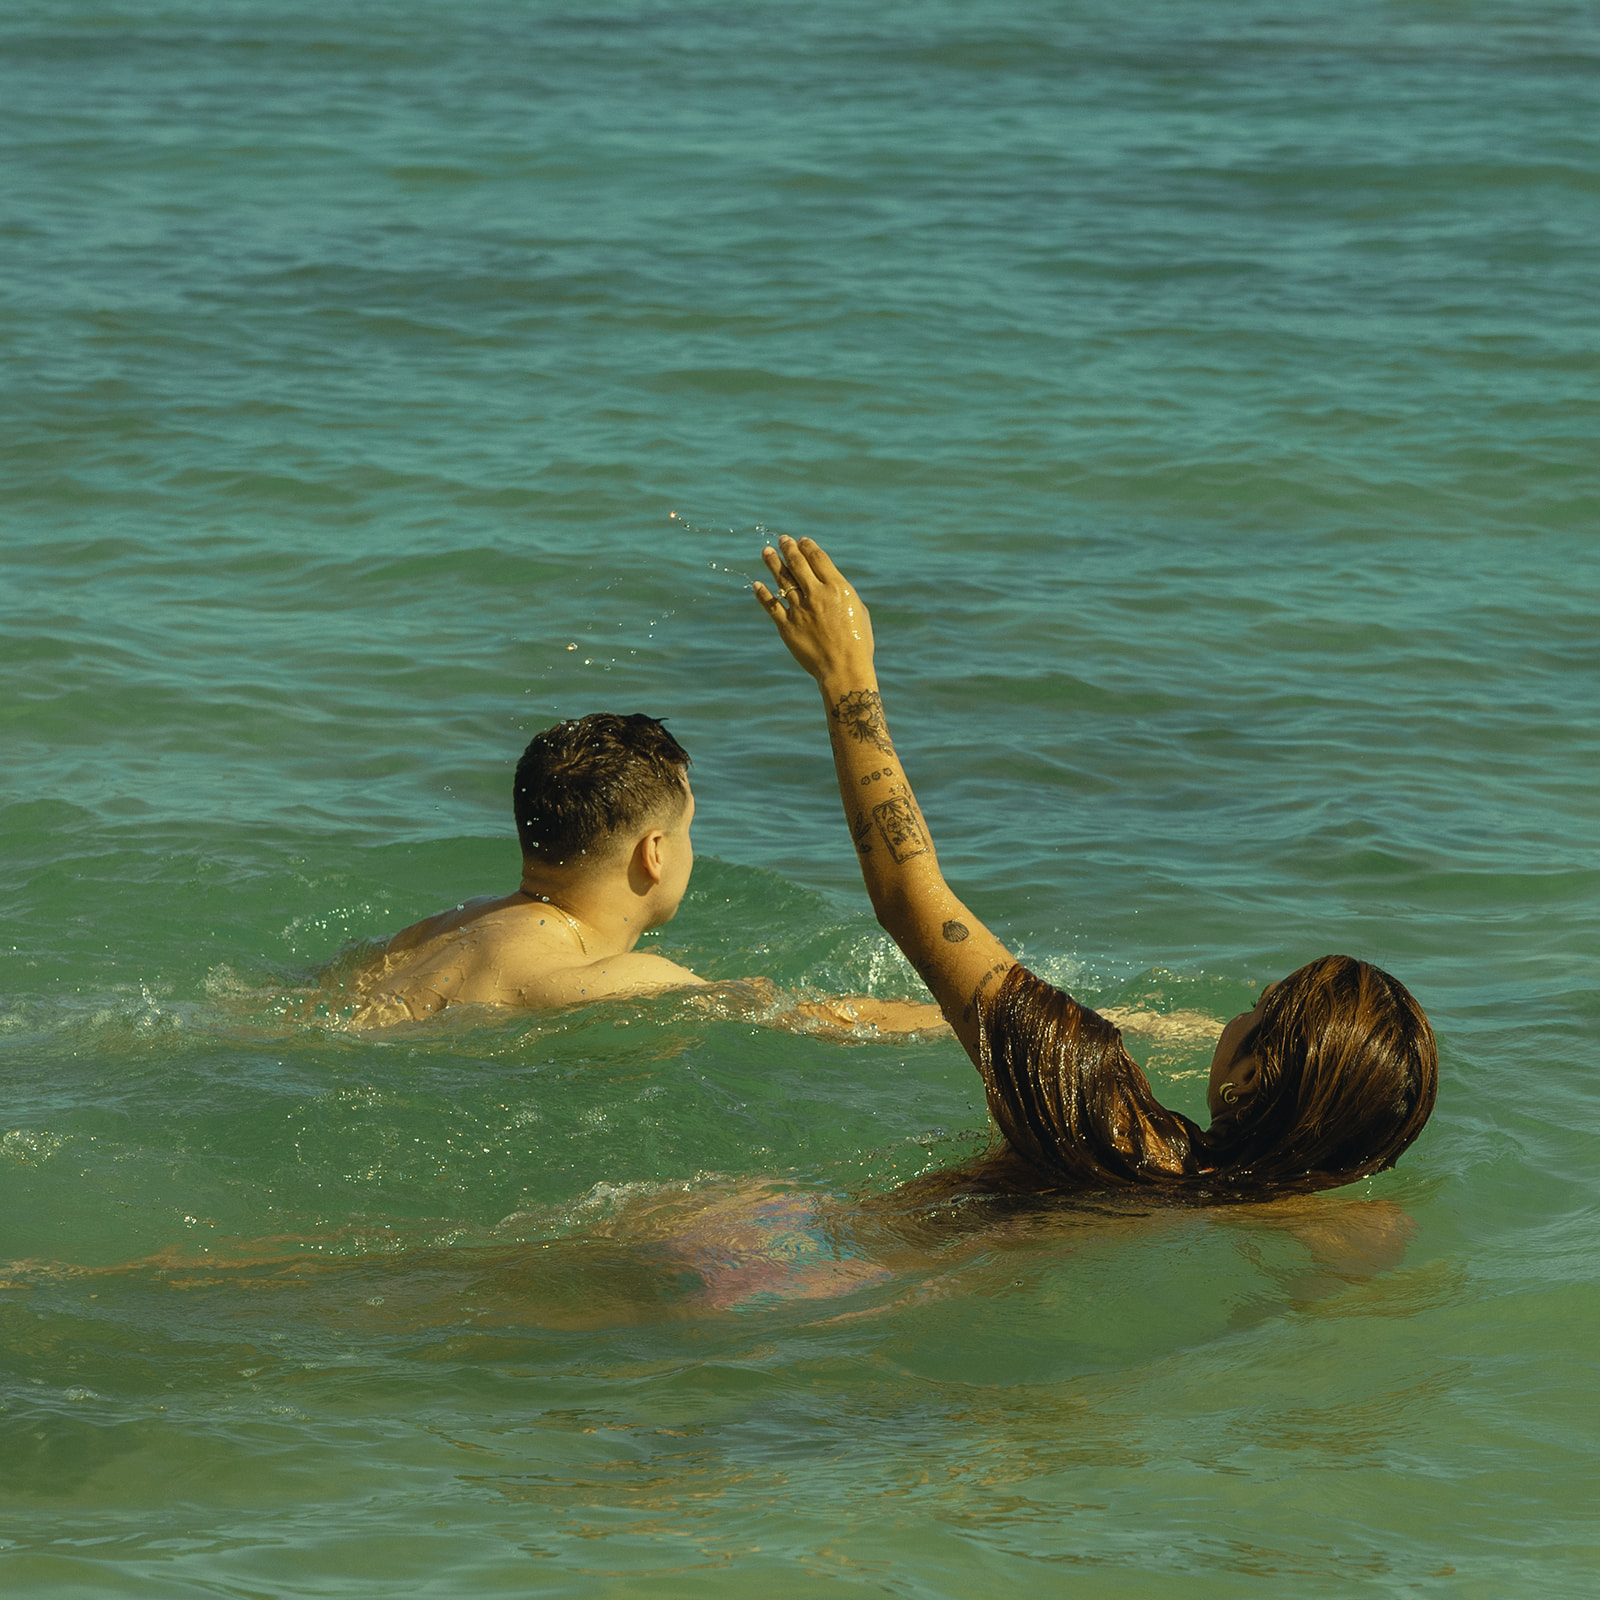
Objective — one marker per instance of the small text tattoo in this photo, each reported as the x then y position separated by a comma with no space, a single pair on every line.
860,714
897,822
971,1009
955,932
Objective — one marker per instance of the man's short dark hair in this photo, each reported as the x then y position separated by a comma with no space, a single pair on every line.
582,781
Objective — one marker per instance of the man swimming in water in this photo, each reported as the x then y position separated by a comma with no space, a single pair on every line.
603,810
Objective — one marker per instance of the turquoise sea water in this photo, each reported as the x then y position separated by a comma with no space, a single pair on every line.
1205,398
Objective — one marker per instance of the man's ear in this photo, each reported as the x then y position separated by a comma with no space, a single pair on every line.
649,856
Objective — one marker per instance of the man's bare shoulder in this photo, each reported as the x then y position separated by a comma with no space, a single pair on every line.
629,972
500,953
445,922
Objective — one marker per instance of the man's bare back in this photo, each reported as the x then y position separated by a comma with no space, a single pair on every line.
512,950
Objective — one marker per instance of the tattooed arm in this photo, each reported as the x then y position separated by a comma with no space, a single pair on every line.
826,627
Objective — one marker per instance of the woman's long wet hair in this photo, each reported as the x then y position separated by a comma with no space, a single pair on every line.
1348,1075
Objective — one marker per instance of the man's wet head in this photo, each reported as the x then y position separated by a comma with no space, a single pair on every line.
606,796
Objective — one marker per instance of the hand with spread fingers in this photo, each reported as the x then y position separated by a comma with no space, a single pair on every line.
818,615
827,629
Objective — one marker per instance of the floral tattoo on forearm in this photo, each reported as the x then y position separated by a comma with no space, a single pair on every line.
860,714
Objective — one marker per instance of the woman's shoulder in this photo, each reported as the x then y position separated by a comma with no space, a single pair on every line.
1071,1101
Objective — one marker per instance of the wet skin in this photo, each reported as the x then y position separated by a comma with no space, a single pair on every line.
1231,1067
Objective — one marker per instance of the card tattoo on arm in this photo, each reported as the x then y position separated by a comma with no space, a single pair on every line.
897,822
860,714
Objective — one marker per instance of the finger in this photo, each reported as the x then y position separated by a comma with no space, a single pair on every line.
780,573
782,577
798,566
820,562
772,604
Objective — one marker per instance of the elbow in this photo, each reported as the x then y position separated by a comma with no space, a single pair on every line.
892,908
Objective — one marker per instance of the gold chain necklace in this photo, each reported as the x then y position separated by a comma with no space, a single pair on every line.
572,921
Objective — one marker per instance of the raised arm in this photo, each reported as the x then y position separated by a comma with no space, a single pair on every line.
826,627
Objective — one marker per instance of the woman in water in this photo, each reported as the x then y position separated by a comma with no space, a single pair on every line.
1327,1080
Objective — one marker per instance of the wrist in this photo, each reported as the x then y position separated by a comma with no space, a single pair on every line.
840,681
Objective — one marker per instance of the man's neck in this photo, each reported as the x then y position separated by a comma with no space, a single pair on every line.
608,913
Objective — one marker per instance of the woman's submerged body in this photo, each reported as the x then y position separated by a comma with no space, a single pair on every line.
724,1247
